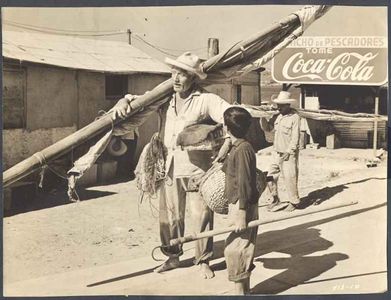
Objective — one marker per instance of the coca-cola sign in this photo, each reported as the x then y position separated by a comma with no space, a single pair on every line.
333,60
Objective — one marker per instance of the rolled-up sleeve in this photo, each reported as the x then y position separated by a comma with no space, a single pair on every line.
267,125
244,160
216,107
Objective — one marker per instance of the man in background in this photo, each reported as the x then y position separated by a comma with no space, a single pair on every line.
286,126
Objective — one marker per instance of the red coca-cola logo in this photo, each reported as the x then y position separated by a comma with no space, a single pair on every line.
364,66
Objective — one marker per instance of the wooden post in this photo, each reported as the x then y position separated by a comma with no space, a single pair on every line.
302,97
238,89
129,36
259,87
375,123
213,47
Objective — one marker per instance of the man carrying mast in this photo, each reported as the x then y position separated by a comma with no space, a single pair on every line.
188,105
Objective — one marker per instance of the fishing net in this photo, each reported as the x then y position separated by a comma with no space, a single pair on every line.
150,170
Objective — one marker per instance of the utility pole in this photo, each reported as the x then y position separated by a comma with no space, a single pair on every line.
129,36
375,122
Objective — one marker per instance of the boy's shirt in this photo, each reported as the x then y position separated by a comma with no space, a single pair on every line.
240,174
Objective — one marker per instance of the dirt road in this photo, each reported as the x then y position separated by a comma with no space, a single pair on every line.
110,225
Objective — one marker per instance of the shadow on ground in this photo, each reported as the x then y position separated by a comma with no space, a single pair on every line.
297,270
297,241
45,200
318,196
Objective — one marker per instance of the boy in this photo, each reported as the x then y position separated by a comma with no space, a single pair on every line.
242,194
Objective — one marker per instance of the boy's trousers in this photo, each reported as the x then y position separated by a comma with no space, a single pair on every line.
240,246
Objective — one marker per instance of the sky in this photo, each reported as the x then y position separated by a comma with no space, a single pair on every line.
177,29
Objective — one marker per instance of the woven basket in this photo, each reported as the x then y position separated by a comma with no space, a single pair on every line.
212,188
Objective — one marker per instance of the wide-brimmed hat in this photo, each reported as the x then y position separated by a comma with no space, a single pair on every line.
188,62
283,97
117,147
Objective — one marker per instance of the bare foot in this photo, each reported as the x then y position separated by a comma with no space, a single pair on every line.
280,206
206,271
274,203
290,207
239,288
169,264
242,287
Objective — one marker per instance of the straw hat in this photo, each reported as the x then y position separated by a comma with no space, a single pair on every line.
283,97
116,147
188,62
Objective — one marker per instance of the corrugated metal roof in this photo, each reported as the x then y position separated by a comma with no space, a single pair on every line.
79,53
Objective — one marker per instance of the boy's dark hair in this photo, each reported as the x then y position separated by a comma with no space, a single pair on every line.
237,120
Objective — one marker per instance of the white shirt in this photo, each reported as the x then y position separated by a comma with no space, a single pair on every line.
200,106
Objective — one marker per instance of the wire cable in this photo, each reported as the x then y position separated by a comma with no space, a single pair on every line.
64,32
199,48
57,29
154,47
67,32
163,50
